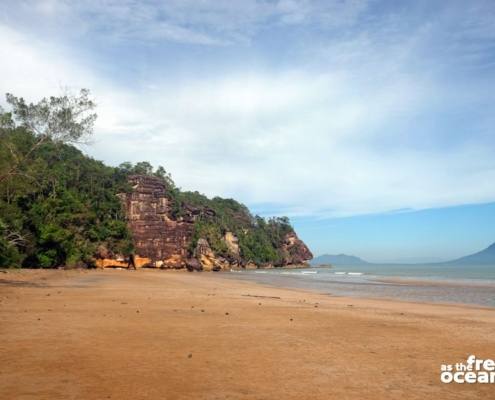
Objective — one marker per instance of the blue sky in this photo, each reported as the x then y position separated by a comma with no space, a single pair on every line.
406,237
369,122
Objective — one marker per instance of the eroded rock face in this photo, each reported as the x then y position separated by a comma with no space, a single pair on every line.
106,259
205,255
162,241
232,243
207,258
294,250
159,240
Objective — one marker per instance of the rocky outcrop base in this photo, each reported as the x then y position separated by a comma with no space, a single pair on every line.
162,241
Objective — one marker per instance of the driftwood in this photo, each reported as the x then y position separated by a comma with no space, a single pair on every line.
263,297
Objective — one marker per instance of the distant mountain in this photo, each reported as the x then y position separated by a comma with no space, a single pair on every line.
485,257
340,259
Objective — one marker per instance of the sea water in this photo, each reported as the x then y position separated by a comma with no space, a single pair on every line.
442,283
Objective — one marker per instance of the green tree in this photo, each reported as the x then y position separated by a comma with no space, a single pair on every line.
63,119
61,207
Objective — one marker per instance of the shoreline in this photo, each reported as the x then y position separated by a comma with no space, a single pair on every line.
228,275
392,288
166,334
373,298
438,282
233,275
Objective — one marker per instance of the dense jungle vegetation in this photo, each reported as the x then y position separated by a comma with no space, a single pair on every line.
58,206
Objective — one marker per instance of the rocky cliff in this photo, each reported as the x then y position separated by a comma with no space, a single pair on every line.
164,240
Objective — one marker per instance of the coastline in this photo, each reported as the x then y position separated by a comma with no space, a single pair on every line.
380,300
367,286
437,282
167,334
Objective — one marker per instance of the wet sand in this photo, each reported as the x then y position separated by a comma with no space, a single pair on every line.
477,293
177,335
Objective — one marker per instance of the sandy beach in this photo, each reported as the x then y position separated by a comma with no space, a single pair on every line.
120,334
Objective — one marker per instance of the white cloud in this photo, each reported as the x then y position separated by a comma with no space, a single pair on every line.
339,139
207,22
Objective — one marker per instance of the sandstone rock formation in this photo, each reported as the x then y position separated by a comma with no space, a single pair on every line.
205,255
294,250
232,243
163,241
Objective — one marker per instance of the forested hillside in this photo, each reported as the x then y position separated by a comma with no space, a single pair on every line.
58,207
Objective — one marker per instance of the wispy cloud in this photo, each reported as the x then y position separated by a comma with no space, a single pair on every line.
348,108
210,22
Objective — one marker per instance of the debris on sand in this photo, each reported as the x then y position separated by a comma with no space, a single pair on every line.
263,297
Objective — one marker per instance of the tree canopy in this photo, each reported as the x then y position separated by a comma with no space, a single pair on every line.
59,207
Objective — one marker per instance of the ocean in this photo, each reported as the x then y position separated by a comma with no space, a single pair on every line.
438,283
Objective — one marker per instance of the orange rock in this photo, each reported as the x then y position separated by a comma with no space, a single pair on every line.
141,262
110,263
